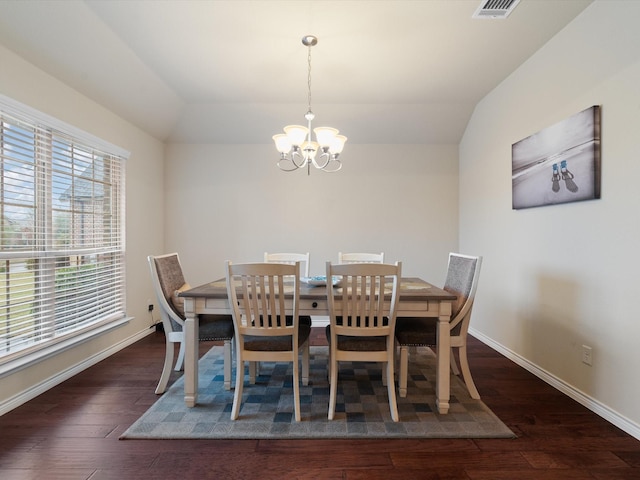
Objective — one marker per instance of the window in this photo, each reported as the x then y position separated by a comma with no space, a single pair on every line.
61,232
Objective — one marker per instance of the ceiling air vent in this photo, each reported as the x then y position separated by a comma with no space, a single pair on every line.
495,8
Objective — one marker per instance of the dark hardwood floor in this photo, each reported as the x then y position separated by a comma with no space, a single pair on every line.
71,432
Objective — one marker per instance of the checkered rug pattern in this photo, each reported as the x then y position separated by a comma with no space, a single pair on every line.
362,408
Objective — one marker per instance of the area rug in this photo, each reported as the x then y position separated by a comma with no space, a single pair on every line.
362,408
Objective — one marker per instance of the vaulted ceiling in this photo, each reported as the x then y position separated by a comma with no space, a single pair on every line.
235,71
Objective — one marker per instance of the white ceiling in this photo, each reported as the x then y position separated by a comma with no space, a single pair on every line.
236,71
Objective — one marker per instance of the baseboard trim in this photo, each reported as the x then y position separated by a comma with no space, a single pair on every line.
35,390
579,396
320,321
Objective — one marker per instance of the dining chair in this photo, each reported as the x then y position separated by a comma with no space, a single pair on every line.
168,280
290,258
360,257
267,327
362,318
462,280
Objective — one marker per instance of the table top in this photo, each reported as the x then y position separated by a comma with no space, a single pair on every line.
411,289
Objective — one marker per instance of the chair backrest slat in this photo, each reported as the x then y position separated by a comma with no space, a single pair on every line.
366,299
360,257
290,259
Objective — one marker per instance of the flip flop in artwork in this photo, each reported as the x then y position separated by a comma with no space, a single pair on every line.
555,178
567,176
563,169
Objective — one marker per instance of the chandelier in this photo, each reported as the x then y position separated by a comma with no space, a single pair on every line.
296,147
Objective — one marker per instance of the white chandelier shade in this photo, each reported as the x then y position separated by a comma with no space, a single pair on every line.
297,148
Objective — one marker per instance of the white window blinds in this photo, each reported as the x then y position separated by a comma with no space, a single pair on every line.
61,232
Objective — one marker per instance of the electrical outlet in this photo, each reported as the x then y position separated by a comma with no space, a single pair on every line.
150,307
587,355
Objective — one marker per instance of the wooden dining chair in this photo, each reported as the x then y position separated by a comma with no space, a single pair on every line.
462,280
362,318
291,259
168,280
267,326
360,257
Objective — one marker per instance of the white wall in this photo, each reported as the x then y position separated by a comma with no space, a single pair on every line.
236,204
29,85
557,277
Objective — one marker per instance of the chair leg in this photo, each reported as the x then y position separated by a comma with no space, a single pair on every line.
466,373
404,368
454,365
253,372
396,360
305,364
180,360
237,395
228,345
166,369
333,385
391,388
296,387
384,377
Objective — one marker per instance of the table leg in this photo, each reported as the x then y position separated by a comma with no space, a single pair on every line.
191,353
443,358
404,367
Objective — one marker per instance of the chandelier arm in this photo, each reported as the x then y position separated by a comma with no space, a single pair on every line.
333,169
322,166
282,165
296,155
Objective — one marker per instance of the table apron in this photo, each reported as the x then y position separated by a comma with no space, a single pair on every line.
319,307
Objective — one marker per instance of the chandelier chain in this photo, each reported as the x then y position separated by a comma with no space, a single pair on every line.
309,78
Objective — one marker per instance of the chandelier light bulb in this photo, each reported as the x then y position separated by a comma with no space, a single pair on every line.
283,144
296,134
325,135
310,149
338,144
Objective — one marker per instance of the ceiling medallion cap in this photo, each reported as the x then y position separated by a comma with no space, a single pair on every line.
309,40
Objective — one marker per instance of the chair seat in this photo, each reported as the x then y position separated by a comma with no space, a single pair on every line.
215,327
278,343
416,331
358,344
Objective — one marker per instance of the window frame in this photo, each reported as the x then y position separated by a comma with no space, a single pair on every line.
112,154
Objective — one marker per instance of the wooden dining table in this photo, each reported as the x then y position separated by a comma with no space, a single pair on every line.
417,298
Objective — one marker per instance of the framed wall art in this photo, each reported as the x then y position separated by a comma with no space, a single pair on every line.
559,164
